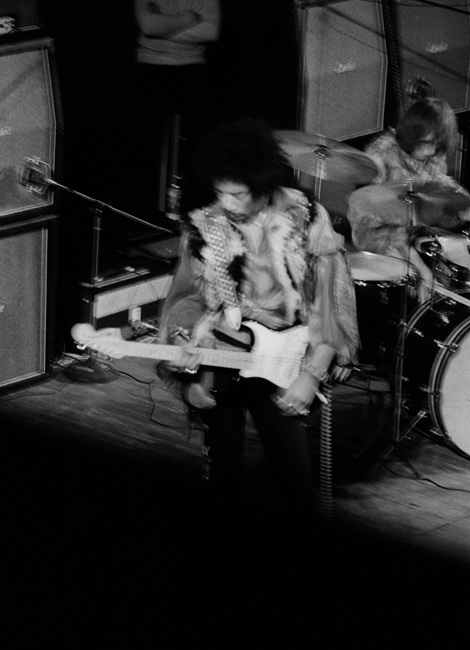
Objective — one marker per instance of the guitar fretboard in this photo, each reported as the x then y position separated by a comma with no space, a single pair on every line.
217,358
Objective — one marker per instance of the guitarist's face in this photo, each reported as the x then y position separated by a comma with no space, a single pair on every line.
237,201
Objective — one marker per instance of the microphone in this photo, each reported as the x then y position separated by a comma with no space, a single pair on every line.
34,175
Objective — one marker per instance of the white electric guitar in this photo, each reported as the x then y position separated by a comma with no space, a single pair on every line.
275,356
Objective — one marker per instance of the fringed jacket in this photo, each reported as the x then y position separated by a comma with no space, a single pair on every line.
297,274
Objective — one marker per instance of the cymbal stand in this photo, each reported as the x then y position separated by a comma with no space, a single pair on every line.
321,154
407,198
397,435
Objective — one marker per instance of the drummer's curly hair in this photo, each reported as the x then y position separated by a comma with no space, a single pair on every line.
245,151
428,116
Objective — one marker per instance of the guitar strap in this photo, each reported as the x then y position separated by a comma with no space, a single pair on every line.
225,338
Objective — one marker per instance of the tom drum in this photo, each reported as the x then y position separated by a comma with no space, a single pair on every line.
385,287
453,263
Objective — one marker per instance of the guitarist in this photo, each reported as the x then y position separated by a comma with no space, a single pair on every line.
262,252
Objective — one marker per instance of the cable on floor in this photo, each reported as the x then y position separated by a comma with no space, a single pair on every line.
326,473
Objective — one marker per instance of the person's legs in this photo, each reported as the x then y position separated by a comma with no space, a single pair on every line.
285,441
224,428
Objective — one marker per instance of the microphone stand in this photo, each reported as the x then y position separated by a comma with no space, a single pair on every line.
91,368
35,178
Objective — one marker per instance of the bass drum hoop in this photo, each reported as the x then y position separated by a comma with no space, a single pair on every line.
439,372
438,369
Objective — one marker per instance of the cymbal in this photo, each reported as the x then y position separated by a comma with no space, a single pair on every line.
326,158
440,197
434,204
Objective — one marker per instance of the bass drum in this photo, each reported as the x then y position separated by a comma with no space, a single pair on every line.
436,368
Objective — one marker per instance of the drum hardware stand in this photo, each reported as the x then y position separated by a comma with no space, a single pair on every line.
431,250
321,154
34,174
397,435
397,378
407,198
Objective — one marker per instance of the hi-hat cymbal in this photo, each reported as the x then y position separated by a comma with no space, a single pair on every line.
325,158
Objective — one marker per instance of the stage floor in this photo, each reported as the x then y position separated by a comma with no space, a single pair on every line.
104,500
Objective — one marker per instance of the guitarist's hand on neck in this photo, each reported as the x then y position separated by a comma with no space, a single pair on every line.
190,358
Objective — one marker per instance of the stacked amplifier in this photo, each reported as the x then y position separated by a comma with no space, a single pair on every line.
30,125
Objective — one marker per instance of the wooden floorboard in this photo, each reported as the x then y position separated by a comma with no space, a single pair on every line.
104,499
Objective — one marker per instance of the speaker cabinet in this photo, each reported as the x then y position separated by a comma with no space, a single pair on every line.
434,45
30,121
344,69
27,298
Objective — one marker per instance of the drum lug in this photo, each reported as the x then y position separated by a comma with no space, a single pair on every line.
451,347
429,391
383,286
436,432
445,316
416,331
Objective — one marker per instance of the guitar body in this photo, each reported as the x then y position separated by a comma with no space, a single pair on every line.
275,356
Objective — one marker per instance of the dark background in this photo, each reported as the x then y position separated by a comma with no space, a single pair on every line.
253,67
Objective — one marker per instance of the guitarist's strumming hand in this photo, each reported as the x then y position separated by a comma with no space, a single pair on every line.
298,398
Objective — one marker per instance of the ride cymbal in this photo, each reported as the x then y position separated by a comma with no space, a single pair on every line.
325,158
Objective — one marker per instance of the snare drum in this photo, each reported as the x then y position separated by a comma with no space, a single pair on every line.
453,263
384,286
436,369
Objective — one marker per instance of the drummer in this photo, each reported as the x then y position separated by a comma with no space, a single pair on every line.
412,158
418,149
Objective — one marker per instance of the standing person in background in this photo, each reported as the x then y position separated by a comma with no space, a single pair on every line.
173,81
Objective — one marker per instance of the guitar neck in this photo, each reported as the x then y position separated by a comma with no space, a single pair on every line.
217,358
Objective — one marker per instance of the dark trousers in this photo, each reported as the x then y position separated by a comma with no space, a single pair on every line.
285,441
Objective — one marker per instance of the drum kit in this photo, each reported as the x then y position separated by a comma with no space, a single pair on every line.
424,349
